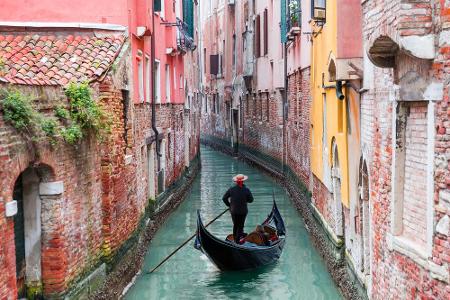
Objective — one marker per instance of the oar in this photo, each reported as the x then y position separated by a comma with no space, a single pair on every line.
184,243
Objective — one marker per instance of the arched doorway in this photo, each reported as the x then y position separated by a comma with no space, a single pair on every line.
336,181
28,230
365,217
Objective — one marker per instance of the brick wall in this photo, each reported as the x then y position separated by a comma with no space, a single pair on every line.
414,208
72,223
298,125
262,127
105,186
398,272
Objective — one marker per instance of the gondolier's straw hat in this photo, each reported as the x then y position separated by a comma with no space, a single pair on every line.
240,177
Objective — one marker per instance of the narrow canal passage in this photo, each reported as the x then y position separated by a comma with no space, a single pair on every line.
299,274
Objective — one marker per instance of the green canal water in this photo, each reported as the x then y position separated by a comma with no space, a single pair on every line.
300,273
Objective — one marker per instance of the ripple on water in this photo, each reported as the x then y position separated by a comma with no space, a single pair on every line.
299,274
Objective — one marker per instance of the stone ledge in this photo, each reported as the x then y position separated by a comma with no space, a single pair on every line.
410,249
419,46
51,188
337,241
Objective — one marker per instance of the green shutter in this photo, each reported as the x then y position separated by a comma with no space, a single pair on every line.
188,16
283,22
156,5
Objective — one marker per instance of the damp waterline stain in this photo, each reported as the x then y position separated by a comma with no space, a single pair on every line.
300,273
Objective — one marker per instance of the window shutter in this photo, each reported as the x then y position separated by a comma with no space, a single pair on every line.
188,16
157,5
266,33
214,64
283,24
258,36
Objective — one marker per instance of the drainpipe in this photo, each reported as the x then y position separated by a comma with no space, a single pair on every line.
153,81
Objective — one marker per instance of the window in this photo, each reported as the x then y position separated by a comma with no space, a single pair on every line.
412,171
241,114
204,60
268,106
157,82
247,103
168,84
318,10
341,118
140,67
234,52
169,139
258,36
174,77
157,5
221,59
147,78
214,64
260,107
266,32
254,106
219,99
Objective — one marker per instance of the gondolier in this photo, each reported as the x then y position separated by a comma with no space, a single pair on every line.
237,198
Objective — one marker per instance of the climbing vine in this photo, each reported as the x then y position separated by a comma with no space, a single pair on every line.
85,114
71,124
18,110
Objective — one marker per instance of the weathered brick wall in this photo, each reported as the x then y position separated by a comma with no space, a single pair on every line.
322,198
121,209
298,125
263,125
170,120
395,273
194,116
414,208
71,223
105,186
143,133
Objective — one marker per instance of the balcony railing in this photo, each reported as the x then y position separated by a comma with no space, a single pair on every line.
184,41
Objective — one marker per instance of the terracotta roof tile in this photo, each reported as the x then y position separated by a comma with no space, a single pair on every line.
54,60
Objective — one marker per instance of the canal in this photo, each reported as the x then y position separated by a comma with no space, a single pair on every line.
299,274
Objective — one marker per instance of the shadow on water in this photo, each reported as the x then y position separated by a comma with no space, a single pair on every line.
239,280
241,284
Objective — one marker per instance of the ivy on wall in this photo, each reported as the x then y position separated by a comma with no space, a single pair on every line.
82,117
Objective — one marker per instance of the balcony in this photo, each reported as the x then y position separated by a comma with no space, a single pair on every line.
293,19
184,41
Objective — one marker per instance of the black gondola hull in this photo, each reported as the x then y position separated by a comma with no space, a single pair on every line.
229,256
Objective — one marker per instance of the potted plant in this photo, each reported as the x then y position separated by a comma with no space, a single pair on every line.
294,13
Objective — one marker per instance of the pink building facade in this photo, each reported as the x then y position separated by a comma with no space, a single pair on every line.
136,16
243,82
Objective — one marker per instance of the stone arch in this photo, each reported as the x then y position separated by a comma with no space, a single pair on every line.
336,183
382,51
31,189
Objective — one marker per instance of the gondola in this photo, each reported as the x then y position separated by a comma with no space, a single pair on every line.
229,256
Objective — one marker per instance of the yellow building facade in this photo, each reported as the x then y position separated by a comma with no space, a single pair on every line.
329,143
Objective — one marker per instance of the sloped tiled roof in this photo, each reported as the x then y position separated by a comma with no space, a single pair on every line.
38,59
